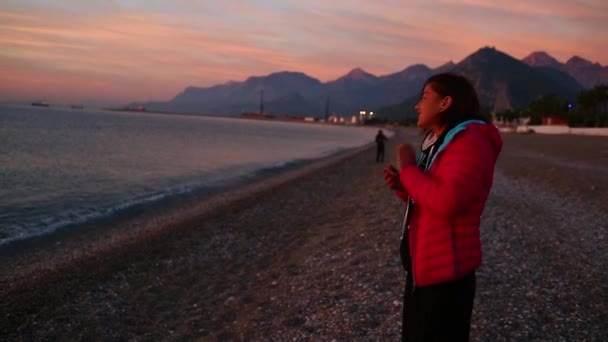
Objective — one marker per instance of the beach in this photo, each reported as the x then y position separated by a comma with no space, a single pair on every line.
312,254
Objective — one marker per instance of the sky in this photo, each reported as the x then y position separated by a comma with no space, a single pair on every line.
119,51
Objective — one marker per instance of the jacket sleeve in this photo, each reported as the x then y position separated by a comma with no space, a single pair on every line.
401,194
461,175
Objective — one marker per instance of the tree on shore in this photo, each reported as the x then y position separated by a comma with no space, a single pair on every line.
593,107
547,105
590,109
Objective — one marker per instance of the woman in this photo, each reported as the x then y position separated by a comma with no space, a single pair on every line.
445,191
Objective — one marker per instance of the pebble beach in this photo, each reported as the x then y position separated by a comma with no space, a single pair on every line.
312,255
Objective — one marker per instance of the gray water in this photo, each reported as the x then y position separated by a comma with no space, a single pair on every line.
60,166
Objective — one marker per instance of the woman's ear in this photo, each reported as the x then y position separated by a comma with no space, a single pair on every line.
446,102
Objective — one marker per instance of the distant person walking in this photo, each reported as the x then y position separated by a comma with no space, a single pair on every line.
445,192
380,138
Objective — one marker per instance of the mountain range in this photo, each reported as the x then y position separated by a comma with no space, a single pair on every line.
503,82
586,73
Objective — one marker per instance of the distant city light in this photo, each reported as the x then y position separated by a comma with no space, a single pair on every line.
569,105
371,113
362,112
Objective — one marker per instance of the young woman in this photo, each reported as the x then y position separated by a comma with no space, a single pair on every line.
445,192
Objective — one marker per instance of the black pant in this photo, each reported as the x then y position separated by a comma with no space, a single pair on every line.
380,154
440,312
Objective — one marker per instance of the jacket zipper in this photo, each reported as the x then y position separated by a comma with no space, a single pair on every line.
456,265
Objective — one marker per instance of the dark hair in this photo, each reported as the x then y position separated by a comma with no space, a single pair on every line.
465,103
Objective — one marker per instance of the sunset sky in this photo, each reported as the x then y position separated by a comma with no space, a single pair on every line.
118,51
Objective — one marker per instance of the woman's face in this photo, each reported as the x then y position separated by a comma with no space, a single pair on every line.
429,108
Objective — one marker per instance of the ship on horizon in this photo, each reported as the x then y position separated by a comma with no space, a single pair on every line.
40,104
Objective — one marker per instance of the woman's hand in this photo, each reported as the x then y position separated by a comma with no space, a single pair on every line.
406,155
391,177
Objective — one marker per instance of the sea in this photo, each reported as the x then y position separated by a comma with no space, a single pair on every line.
61,167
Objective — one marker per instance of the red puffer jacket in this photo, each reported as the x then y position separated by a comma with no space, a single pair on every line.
449,200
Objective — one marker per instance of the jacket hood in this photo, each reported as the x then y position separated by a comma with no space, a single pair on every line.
487,129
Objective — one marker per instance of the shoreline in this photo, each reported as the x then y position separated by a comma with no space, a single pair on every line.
35,255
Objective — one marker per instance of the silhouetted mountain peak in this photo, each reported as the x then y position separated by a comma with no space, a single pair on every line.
415,68
487,51
586,73
541,59
283,76
358,74
579,62
355,79
488,55
447,67
289,75
412,72
280,83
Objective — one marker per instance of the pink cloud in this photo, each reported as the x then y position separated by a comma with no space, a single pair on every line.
561,8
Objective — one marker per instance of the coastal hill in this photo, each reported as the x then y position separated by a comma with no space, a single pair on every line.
503,82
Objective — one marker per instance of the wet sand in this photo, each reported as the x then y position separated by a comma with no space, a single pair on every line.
314,256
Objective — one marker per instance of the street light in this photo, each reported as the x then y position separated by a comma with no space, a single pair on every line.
362,114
